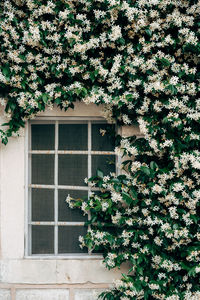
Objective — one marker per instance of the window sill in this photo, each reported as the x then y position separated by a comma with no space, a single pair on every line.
65,257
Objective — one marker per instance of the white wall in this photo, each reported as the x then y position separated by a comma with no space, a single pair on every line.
26,278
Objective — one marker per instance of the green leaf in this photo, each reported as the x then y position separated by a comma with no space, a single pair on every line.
148,32
117,188
165,120
6,71
40,80
184,266
99,173
127,198
122,41
164,62
12,105
4,140
45,98
145,170
139,47
92,76
77,91
172,88
23,84
153,165
129,97
133,193
58,101
195,218
53,68
84,92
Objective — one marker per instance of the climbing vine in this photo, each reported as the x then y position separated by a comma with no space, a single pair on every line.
140,58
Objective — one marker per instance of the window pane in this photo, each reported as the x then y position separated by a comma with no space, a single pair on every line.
73,137
99,142
42,205
65,213
42,239
42,169
68,239
72,169
43,136
105,163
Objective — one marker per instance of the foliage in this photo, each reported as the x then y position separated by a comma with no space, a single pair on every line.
141,59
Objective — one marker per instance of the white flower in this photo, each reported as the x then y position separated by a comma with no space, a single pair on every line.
158,241
156,259
84,206
173,213
129,222
174,80
154,286
102,131
105,205
116,197
157,189
161,275
116,33
173,297
64,14
177,187
135,166
126,119
68,199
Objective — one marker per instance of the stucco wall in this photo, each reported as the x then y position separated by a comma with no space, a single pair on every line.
27,278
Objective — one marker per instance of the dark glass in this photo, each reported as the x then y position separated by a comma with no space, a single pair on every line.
42,239
106,163
67,214
102,142
73,137
72,169
42,205
42,168
43,136
68,239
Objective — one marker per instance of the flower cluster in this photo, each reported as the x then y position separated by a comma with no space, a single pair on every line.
141,60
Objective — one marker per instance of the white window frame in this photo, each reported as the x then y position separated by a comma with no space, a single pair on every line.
56,187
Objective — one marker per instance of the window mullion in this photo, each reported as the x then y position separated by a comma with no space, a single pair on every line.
56,191
89,150
89,165
29,180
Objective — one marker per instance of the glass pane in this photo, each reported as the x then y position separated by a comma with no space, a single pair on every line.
67,214
102,142
42,169
42,205
43,136
42,239
105,163
72,169
73,137
68,239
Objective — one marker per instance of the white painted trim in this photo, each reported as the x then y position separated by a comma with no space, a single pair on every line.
27,193
89,167
58,223
60,187
118,158
65,120
70,256
56,191
72,152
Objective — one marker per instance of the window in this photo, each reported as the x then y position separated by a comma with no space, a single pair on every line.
61,154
